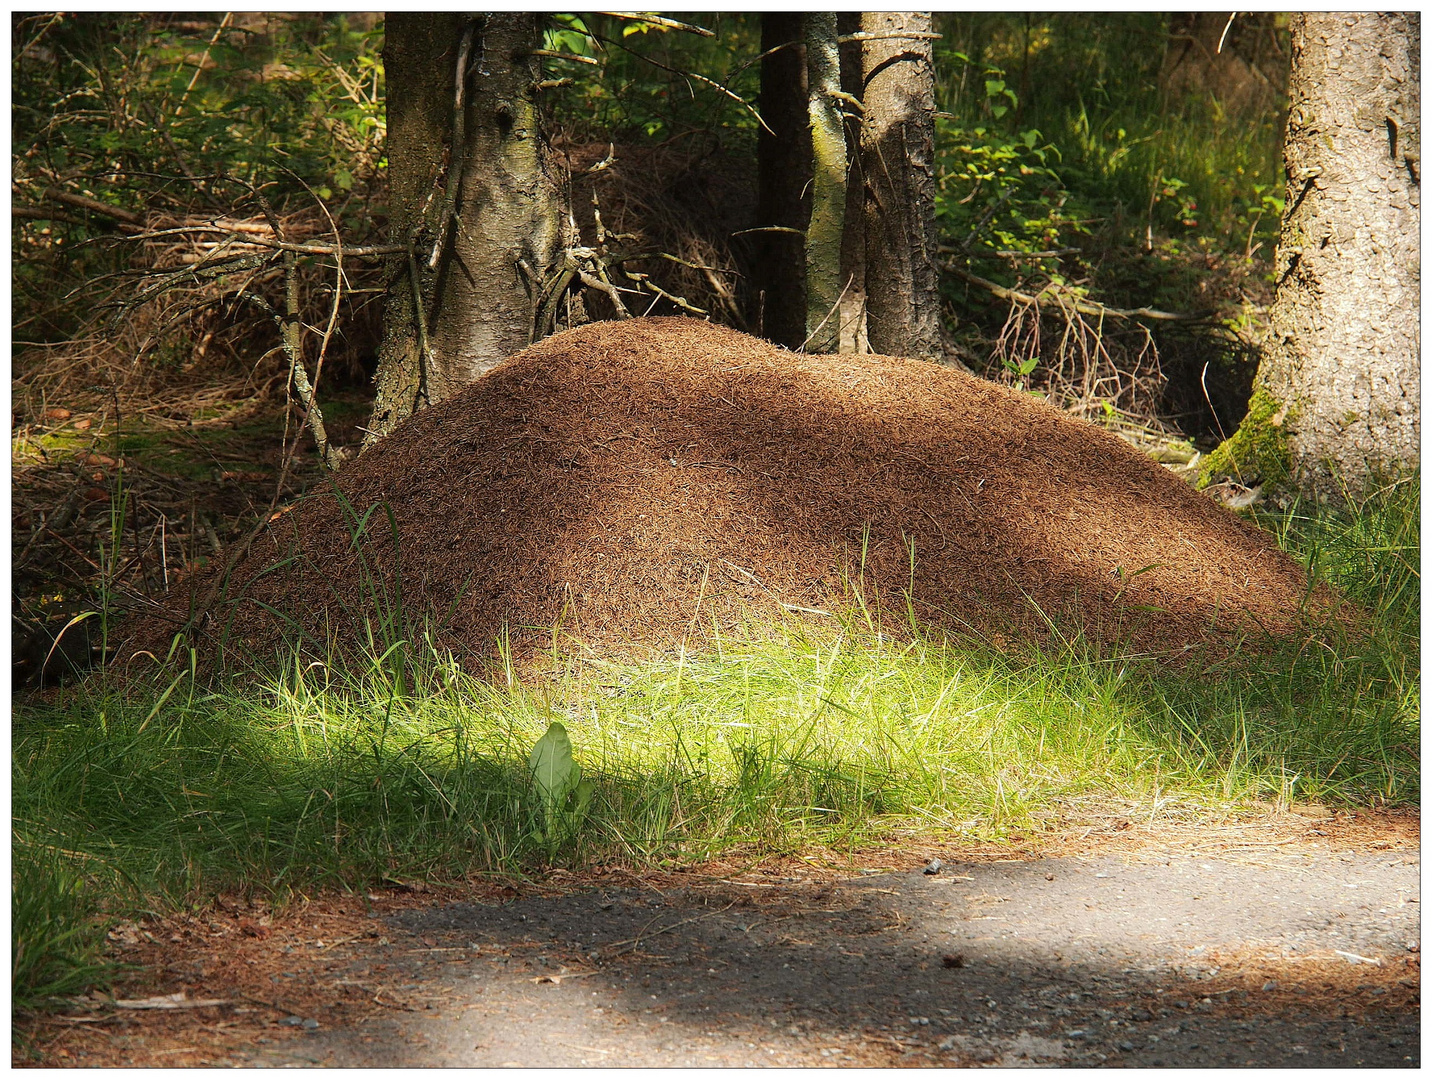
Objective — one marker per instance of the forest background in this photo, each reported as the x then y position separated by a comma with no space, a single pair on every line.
1104,164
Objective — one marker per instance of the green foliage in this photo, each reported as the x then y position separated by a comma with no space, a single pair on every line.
1131,150
997,190
562,795
156,112
56,930
653,83
119,98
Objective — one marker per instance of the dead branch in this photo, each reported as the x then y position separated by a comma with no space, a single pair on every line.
1050,295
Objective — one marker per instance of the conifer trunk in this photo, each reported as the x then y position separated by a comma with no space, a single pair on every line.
483,240
508,225
1335,404
852,248
419,55
783,171
897,147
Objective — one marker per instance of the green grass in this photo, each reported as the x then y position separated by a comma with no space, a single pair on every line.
313,776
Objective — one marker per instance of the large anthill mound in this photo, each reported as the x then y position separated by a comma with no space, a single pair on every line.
639,482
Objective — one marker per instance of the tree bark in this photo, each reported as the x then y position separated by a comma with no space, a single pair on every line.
419,57
484,242
1335,403
508,225
897,147
783,155
827,192
852,247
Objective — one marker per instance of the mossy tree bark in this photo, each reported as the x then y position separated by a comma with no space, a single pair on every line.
827,190
484,241
897,148
1336,398
783,162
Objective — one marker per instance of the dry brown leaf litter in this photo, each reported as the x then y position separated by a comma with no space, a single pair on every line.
640,483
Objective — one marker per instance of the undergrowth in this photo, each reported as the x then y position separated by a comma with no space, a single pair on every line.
314,776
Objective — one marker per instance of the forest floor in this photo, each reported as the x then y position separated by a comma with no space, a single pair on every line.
1272,940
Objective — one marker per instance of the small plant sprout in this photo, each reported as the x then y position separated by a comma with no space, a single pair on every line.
563,796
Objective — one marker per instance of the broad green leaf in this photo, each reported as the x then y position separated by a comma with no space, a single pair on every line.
553,770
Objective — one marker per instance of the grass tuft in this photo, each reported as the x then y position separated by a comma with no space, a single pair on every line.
56,930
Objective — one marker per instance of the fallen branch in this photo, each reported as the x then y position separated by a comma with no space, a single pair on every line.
128,217
1050,296
170,1001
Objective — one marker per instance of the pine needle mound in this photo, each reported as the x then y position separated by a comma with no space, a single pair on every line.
653,482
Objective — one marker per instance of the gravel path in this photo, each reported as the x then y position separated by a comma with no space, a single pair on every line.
1299,959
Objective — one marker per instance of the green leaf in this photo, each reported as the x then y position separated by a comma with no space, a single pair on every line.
994,87
585,790
553,770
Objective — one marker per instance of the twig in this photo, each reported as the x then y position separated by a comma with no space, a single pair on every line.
656,20
244,237
1050,296
1055,253
690,75
455,156
604,286
291,335
632,943
199,67
576,59
771,228
93,205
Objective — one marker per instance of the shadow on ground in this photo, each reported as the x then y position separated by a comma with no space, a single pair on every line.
1173,960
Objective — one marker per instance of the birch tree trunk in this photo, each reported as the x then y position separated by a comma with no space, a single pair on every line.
897,148
1335,402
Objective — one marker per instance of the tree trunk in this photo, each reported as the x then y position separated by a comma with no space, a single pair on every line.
419,57
897,147
827,191
508,224
1335,403
783,172
852,248
483,243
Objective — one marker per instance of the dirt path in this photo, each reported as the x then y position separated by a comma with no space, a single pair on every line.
1287,945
